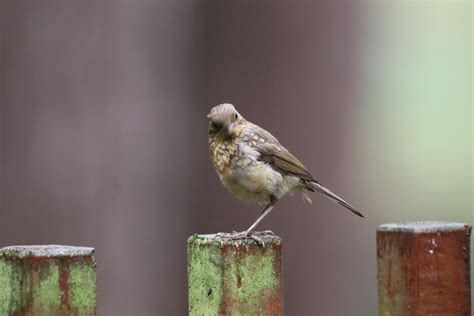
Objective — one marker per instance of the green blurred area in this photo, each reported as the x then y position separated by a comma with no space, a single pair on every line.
415,119
415,131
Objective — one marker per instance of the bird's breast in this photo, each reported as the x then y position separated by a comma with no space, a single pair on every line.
248,178
222,153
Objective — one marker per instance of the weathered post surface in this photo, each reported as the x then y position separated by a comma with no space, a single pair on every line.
234,277
423,268
47,280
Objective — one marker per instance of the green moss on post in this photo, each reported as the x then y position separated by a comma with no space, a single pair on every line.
234,277
47,280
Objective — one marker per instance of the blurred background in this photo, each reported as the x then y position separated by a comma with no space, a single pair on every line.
103,133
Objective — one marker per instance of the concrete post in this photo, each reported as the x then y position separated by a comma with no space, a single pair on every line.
234,277
47,280
423,269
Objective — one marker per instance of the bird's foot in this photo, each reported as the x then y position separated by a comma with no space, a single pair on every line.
257,236
254,235
264,233
234,235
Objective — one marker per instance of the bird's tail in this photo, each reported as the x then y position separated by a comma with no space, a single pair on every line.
314,186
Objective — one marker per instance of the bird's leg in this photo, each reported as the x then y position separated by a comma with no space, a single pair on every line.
265,212
255,235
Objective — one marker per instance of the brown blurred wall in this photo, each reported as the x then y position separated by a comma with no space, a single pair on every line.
103,139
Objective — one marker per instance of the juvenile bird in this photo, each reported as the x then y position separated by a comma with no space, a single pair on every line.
255,167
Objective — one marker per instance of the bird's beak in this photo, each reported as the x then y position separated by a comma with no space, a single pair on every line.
230,127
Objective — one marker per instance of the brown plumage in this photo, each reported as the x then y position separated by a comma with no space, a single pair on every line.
255,167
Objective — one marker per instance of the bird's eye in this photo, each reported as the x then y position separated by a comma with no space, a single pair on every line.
216,126
236,116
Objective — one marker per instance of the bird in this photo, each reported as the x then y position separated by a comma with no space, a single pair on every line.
253,165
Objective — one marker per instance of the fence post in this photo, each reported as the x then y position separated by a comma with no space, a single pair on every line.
423,268
47,280
234,277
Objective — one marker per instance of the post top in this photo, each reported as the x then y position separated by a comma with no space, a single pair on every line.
45,251
214,239
422,227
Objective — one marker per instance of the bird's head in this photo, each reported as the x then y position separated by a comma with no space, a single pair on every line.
223,118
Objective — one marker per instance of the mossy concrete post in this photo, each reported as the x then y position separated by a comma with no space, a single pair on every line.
234,277
423,269
47,280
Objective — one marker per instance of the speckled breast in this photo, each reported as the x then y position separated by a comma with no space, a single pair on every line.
222,152
242,174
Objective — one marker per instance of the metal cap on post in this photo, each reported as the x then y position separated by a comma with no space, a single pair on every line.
234,277
47,280
423,268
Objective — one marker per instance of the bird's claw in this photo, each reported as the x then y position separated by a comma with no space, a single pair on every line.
257,239
234,235
255,235
264,233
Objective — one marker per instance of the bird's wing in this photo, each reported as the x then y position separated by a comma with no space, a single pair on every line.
283,161
278,157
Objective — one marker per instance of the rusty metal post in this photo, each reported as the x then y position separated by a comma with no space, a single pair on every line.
234,277
47,280
423,269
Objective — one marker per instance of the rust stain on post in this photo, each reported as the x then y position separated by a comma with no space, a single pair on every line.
234,277
424,268
47,280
